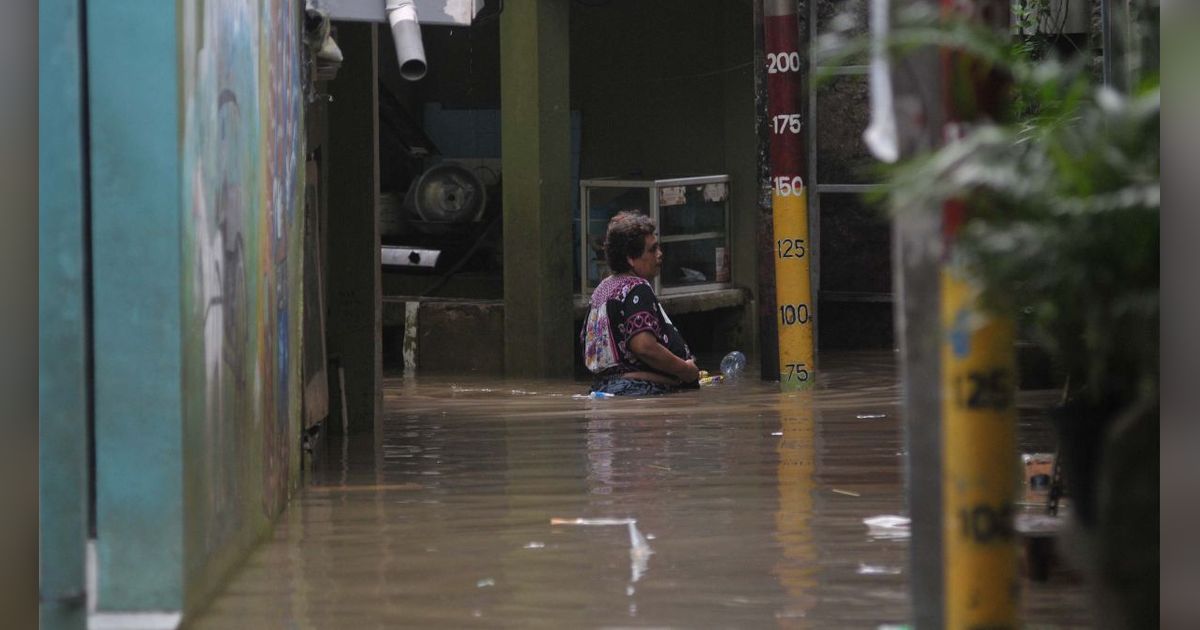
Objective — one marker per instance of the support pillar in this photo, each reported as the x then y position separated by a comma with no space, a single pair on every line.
353,293
916,282
535,158
978,374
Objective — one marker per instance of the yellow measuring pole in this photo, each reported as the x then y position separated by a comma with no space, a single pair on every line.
796,565
978,459
794,314
793,288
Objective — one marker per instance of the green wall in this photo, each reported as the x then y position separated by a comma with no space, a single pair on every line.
242,161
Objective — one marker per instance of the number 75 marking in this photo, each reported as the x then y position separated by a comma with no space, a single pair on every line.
796,372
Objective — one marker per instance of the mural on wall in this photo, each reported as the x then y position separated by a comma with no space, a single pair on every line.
282,39
242,151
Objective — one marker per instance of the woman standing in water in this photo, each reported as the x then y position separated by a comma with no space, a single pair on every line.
629,343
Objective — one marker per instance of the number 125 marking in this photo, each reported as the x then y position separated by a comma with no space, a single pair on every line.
790,247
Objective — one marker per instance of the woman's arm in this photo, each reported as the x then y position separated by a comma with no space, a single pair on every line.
649,351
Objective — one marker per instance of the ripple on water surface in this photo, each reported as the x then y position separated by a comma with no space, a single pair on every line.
514,503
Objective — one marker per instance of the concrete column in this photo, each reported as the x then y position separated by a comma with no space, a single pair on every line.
354,306
916,281
133,68
62,332
535,157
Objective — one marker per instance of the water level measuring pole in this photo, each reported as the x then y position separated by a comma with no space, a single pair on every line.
795,315
979,454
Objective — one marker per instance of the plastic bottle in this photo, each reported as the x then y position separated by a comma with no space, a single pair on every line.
733,364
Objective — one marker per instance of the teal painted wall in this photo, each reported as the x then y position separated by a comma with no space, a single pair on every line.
62,329
242,180
196,168
134,140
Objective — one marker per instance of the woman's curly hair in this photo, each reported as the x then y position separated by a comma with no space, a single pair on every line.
626,238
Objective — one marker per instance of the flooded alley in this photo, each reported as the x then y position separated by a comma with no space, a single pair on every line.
322,286
494,503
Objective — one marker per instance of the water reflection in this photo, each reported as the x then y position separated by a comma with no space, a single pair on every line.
472,510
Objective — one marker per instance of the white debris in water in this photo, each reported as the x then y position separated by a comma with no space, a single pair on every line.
650,536
777,433
887,527
871,416
629,590
639,549
485,582
872,569
535,545
592,521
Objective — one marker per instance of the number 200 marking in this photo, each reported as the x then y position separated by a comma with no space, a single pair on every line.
783,62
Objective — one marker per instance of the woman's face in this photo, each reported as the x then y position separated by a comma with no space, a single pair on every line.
649,263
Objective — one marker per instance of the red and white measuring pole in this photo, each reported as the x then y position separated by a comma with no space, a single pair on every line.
789,200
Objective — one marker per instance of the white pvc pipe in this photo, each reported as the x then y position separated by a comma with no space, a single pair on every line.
406,33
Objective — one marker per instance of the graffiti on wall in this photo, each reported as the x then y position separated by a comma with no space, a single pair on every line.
242,151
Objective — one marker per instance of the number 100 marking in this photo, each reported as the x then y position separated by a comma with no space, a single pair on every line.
793,314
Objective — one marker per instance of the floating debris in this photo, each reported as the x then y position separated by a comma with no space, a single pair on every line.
485,582
871,569
535,545
871,416
887,527
593,396
847,492
639,549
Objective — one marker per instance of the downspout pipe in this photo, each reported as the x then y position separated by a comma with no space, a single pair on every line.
406,33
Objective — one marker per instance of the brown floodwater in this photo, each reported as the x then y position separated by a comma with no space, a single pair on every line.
503,503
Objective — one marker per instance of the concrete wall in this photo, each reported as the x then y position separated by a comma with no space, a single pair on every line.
667,87
242,181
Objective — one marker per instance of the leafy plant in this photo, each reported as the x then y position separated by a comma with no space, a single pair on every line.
1063,226
1062,232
